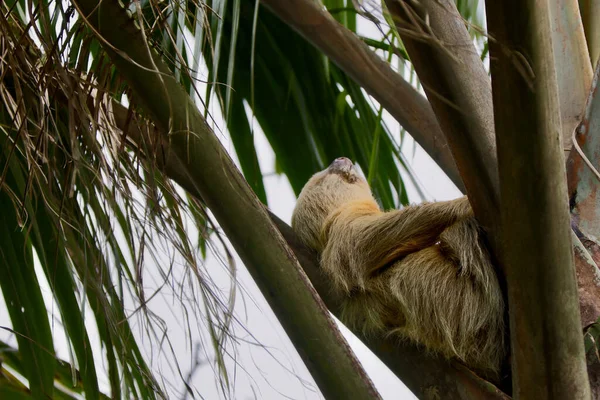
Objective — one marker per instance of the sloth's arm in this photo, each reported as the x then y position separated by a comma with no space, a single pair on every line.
401,232
360,241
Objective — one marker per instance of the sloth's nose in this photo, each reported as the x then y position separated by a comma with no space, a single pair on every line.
341,163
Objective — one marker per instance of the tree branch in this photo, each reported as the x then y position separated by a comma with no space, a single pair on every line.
241,215
458,88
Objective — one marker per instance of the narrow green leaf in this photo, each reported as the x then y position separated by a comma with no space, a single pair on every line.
25,304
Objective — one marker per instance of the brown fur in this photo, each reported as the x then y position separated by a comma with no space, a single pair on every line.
421,273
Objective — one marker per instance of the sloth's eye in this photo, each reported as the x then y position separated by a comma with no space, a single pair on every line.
350,178
346,176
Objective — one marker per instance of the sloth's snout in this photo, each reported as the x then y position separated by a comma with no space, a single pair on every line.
341,164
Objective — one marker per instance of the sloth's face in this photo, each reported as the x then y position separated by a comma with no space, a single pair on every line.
325,192
339,183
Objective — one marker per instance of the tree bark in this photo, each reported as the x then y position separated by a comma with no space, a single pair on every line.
459,90
585,214
547,347
583,183
573,68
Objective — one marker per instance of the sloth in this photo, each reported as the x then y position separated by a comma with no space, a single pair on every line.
421,273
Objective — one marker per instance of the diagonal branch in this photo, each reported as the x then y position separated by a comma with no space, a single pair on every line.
243,218
459,90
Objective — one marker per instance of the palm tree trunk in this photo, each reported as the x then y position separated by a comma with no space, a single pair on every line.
547,347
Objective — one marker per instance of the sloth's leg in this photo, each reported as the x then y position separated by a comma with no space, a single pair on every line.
454,309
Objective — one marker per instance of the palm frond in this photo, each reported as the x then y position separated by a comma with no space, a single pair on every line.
91,210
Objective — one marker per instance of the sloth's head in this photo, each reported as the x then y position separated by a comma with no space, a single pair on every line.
325,192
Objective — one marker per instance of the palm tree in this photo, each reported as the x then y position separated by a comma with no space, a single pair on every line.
102,114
